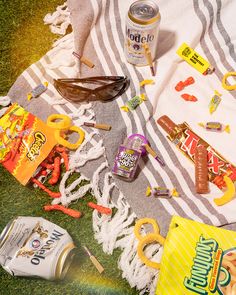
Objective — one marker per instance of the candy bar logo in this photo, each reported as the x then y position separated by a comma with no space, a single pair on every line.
189,146
39,140
190,143
138,38
214,162
203,264
42,252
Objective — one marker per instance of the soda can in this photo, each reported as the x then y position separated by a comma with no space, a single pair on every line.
141,32
33,246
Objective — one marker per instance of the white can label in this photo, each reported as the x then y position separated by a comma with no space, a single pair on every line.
137,36
32,247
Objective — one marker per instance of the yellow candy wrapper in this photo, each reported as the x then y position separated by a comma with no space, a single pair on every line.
197,259
194,59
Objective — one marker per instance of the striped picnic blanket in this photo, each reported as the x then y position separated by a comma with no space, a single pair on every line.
205,26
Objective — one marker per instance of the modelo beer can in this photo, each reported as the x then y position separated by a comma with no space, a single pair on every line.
33,246
142,29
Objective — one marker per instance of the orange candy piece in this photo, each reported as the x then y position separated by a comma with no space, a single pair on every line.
71,212
180,86
189,97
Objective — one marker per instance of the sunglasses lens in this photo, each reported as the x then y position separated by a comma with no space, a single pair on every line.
76,90
72,93
111,91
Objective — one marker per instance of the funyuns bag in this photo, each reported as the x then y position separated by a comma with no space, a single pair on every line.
197,259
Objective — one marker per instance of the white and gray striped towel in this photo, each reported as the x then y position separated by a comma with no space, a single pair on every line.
208,27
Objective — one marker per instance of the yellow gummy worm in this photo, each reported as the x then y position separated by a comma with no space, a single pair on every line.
146,82
175,193
148,191
228,195
63,123
224,81
66,143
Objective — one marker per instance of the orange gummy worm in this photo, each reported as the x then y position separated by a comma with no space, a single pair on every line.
99,208
45,189
71,212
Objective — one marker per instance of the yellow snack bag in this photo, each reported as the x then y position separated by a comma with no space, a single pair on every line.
197,259
25,141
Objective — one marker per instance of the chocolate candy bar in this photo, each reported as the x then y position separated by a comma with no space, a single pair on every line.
201,170
187,141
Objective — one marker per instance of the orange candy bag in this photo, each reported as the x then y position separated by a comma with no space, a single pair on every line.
25,141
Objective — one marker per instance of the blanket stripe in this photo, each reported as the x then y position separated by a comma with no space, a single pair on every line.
215,29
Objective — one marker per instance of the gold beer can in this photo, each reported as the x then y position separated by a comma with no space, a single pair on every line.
142,30
33,246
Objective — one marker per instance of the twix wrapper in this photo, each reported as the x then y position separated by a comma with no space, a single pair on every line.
187,141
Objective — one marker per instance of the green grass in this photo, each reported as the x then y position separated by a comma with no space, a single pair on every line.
23,40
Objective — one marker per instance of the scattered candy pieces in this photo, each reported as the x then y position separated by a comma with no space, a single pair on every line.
182,84
215,126
99,208
146,82
215,101
189,97
228,195
161,192
70,212
134,102
38,90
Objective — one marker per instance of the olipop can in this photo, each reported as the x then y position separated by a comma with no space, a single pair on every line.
142,30
33,246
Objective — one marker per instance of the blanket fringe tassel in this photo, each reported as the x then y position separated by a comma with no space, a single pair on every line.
116,231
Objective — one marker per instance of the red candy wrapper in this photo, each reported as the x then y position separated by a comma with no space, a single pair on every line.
186,141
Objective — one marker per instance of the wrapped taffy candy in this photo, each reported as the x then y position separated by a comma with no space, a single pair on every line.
197,259
134,102
215,126
161,192
215,101
186,140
